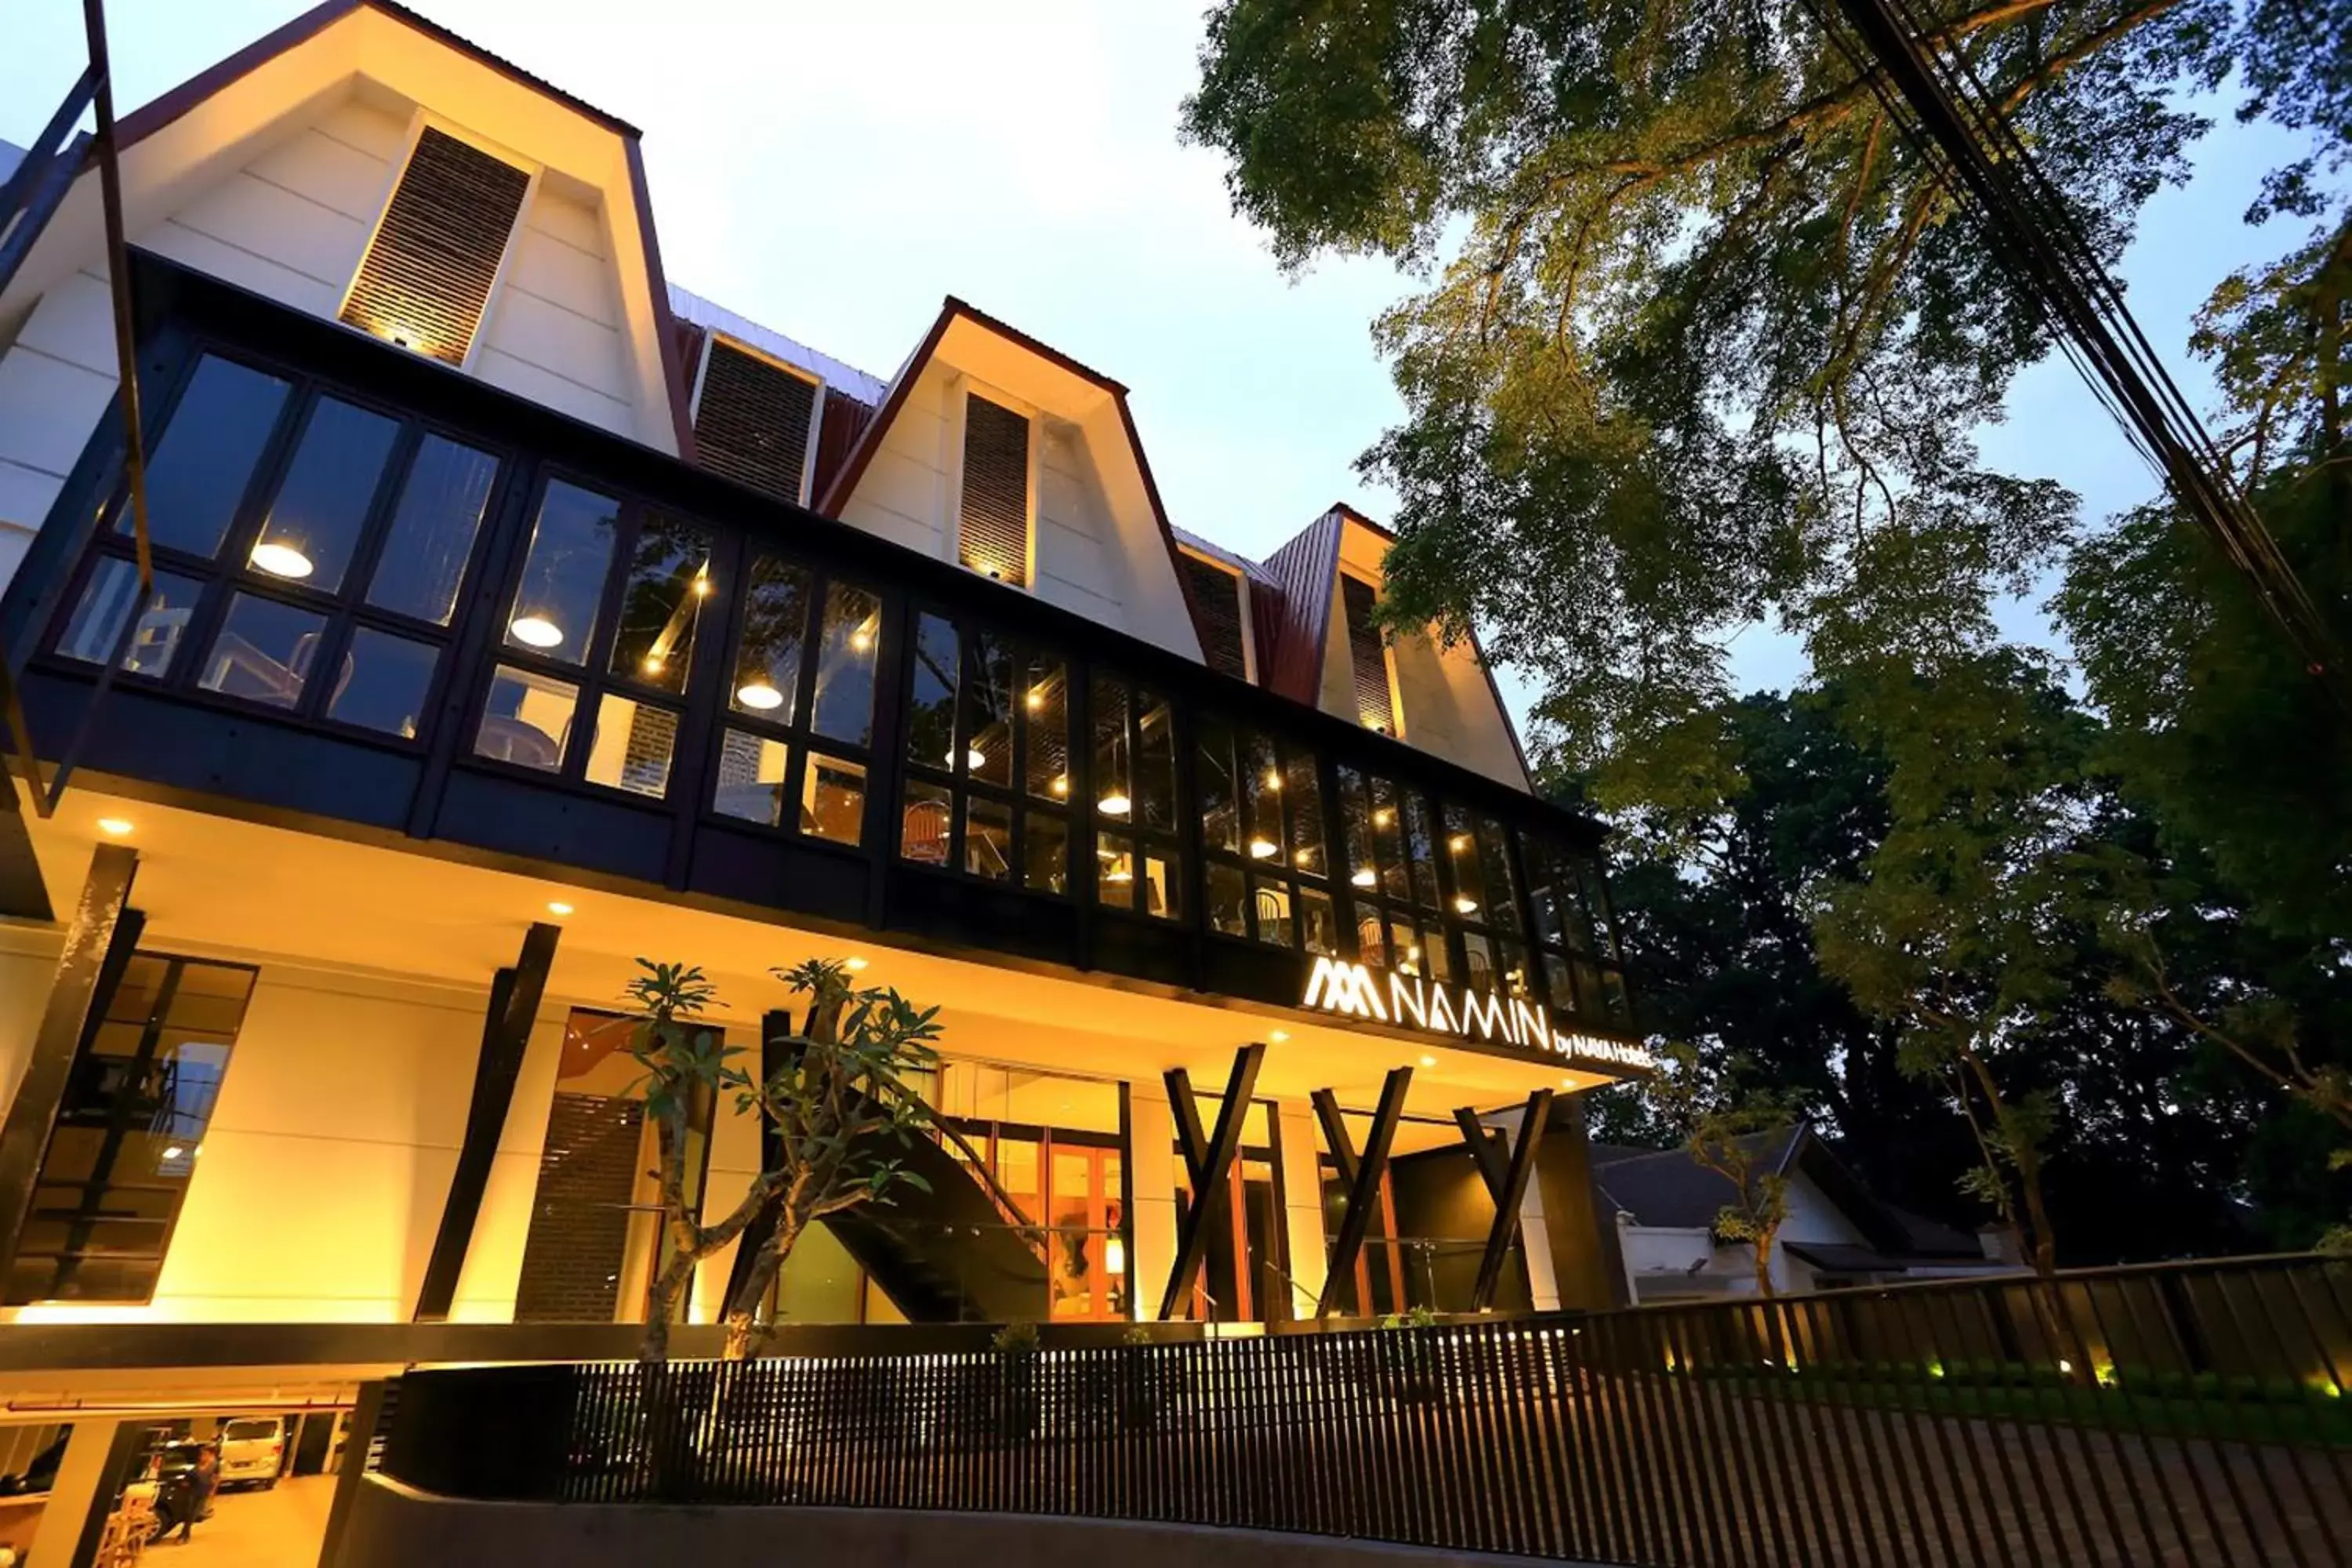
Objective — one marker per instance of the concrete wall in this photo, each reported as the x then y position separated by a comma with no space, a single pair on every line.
391,1526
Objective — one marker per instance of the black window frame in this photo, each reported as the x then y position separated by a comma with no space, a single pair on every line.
798,734
951,772
230,573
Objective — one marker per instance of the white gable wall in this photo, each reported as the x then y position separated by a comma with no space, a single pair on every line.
286,210
906,494
552,333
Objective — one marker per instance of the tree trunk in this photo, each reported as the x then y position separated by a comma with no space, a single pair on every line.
742,1312
1763,1256
2037,1215
661,1303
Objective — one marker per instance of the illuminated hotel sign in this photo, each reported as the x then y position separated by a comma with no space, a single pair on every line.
1354,991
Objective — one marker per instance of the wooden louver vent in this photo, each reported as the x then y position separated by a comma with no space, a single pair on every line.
994,537
427,274
753,420
1217,596
1367,657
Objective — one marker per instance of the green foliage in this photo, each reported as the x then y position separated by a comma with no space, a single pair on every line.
1016,1342
1411,1318
1701,343
840,1105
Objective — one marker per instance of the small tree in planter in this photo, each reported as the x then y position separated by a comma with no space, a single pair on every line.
839,1105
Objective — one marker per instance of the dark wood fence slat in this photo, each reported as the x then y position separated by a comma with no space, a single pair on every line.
2189,1413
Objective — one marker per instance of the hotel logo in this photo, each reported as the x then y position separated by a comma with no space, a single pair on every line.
1354,991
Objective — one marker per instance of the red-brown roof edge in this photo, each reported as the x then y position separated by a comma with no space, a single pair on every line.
673,378
165,107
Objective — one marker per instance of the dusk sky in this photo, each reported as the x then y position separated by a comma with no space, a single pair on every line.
833,176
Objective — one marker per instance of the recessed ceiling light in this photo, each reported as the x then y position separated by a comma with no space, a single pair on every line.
1429,1061
854,965
114,826
1277,1036
558,907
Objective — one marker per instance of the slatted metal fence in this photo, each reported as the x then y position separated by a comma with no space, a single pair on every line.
2185,1413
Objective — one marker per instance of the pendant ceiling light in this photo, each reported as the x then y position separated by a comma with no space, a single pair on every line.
280,558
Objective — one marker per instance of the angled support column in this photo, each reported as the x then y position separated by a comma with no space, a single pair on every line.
99,944
1505,1168
515,995
1209,1159
1362,1177
776,1051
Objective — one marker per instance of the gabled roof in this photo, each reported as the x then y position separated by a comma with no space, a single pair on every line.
952,310
1292,640
1666,1188
163,112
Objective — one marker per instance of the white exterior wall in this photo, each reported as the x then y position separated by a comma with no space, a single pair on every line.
1073,559
292,222
1659,1254
552,333
906,494
1450,711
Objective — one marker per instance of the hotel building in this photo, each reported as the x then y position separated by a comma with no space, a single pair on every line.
516,614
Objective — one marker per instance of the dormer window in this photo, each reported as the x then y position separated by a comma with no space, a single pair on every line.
1367,657
426,278
1220,597
992,537
755,419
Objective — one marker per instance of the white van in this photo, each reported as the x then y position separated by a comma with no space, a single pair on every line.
251,1448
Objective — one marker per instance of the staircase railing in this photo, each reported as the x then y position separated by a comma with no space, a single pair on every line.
1030,1232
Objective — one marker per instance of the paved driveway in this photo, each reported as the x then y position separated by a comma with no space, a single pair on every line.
280,1528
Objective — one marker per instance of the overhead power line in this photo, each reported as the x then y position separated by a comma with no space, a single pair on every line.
1937,100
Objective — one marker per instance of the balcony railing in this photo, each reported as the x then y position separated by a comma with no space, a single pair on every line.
392,597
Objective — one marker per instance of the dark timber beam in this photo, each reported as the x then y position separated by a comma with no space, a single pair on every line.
1506,1175
514,1005
99,943
1210,1160
1362,1178
777,1048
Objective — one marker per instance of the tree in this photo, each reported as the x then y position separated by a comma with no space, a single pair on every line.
838,1107
1740,1131
1702,344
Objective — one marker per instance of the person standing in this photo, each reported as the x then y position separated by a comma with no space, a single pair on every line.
201,1483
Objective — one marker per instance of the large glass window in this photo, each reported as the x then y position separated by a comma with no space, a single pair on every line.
554,611
206,460
1268,844
982,711
129,1136
1138,863
655,570
1580,970
1391,876
312,529
792,752
325,592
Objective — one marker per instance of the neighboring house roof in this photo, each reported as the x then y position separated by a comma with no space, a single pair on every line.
1667,1189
